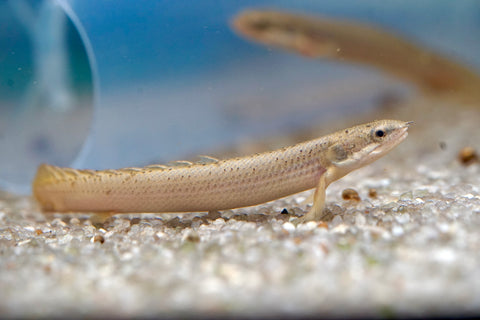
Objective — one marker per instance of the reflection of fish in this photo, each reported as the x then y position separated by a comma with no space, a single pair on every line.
216,185
353,42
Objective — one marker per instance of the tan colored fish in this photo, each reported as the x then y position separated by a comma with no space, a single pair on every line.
347,41
220,184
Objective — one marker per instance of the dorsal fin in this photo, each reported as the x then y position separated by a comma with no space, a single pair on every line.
203,159
48,174
179,163
131,169
156,166
82,171
110,171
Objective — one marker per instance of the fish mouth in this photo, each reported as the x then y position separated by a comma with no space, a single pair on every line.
404,131
395,139
243,22
402,134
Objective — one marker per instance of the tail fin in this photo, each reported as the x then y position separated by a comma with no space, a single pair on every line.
46,174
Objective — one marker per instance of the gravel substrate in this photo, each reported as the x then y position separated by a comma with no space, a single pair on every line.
409,246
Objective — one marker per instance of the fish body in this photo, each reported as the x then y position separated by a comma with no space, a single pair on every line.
223,184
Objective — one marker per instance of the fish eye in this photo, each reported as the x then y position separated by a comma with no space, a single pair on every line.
380,133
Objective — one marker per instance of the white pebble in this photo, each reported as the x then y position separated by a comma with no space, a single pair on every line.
311,225
218,222
445,255
397,231
288,226
402,218
161,234
341,228
300,199
360,220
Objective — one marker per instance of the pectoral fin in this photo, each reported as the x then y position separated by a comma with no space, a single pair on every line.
316,212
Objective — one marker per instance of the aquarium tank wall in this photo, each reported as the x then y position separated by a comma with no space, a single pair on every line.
109,84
